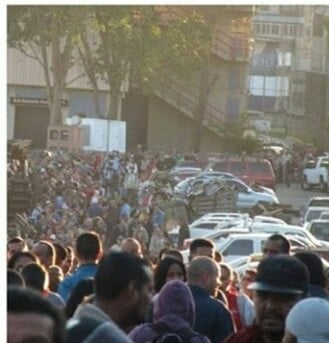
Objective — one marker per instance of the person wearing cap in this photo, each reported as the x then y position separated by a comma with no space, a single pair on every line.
282,281
307,322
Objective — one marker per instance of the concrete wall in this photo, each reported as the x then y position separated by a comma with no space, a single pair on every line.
169,128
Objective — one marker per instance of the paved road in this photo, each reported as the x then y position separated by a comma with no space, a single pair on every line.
295,196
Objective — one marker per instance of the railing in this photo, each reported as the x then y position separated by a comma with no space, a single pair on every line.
185,100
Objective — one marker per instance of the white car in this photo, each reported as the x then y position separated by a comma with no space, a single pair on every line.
285,229
207,224
268,220
239,245
319,228
324,215
313,212
219,234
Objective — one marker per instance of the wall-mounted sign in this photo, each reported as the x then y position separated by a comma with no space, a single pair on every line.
18,100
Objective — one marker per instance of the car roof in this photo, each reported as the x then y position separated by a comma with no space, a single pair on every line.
250,235
182,169
319,221
318,208
319,198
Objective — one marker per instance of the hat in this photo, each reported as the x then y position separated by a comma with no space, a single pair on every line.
281,274
308,320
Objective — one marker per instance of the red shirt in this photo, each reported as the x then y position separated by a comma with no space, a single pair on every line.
249,334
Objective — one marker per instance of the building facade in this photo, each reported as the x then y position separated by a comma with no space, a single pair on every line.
288,77
161,120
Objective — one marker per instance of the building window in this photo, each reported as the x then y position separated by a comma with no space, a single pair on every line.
292,30
275,29
267,28
285,29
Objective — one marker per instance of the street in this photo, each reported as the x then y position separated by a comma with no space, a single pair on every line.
295,195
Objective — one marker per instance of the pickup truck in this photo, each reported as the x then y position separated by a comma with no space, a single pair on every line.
316,174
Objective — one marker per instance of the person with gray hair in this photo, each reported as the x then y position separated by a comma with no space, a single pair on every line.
213,319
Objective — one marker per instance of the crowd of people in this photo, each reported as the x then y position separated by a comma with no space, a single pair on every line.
98,266
122,296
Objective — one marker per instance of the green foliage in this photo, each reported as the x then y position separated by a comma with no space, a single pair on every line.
134,40
233,138
114,42
30,23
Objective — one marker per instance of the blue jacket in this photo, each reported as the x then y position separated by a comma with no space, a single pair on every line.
83,272
213,319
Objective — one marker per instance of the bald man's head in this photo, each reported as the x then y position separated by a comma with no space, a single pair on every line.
132,245
205,273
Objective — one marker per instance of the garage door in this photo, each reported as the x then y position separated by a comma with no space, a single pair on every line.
31,123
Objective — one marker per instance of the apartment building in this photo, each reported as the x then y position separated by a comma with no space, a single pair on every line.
288,77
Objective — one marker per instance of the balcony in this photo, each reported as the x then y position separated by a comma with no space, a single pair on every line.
232,47
185,100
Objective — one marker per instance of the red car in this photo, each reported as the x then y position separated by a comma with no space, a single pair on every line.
249,169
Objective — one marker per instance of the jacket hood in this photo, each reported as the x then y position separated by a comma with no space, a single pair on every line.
175,298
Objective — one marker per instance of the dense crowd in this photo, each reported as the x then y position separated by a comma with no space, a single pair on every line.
99,265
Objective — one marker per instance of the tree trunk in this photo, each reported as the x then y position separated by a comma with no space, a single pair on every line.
96,103
56,110
207,83
115,105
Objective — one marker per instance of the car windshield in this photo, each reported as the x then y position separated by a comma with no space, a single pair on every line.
320,230
237,167
220,166
259,167
319,202
314,214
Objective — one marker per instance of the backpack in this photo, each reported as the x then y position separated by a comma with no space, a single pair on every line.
166,335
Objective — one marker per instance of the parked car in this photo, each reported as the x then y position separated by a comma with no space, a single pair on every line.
290,230
318,201
178,174
183,187
207,224
324,215
316,173
222,231
313,212
202,164
239,245
249,169
314,201
248,197
268,220
217,235
319,228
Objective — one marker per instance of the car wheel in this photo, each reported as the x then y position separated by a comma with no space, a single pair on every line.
305,185
323,185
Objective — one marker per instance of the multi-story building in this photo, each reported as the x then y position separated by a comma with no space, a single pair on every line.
288,81
162,120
